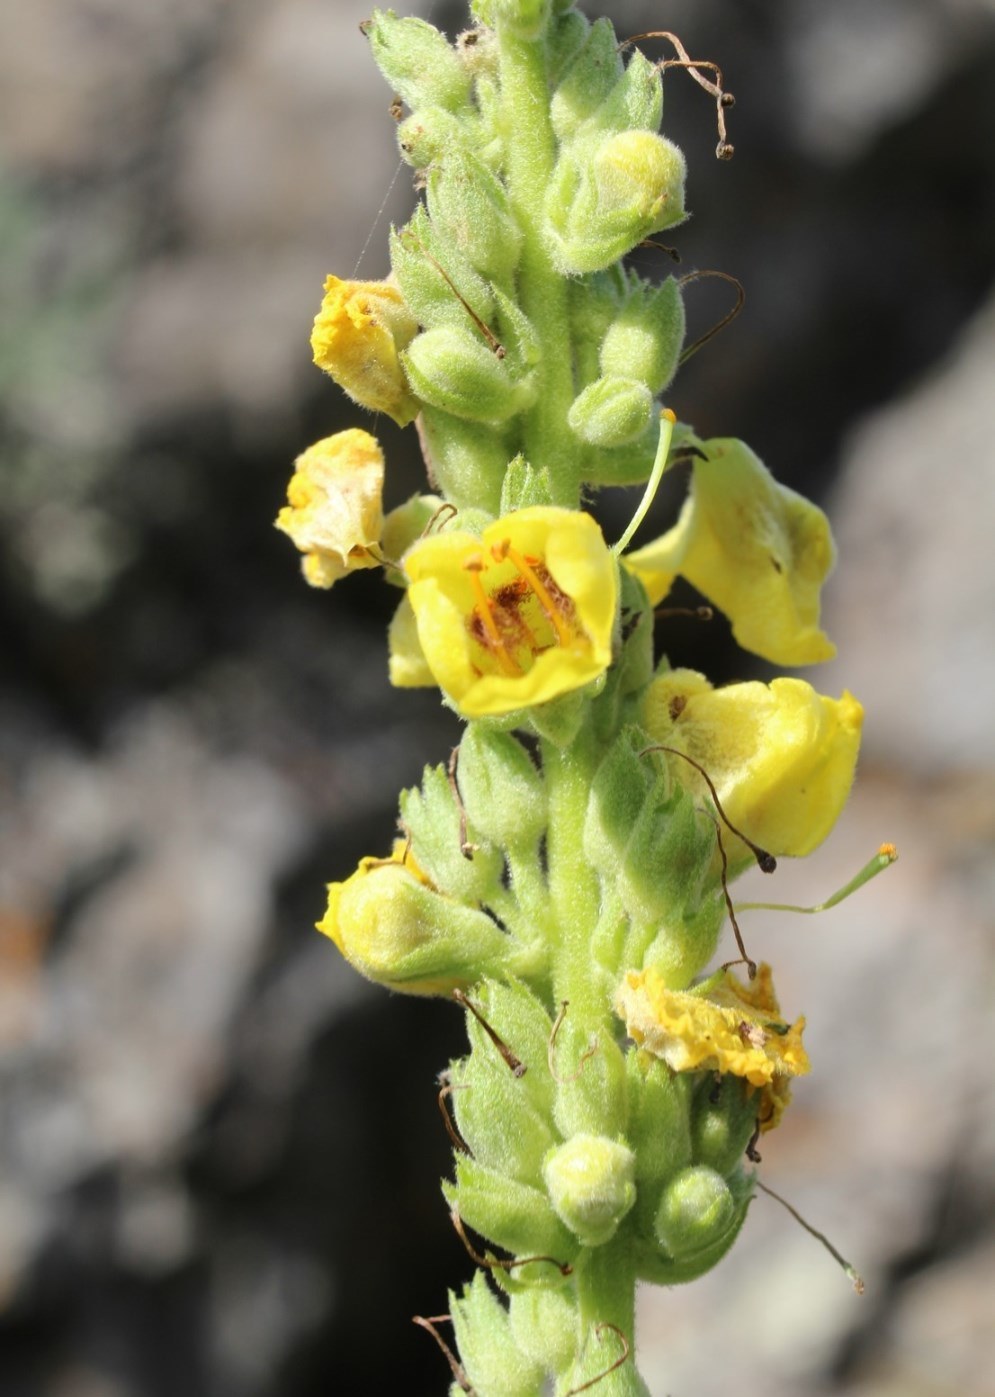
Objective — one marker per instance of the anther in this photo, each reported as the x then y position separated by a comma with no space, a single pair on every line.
474,566
503,550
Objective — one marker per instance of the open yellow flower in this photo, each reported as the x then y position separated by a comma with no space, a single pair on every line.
731,1027
335,509
781,756
358,335
514,617
395,928
757,550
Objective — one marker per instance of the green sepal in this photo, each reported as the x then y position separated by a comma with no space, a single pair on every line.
560,720
590,1081
544,1325
524,485
416,256
646,336
521,1021
517,335
635,102
677,948
591,1182
566,39
469,208
417,61
497,1118
452,368
402,527
590,77
432,819
594,303
659,1128
489,1355
502,789
723,1118
510,1214
633,669
622,465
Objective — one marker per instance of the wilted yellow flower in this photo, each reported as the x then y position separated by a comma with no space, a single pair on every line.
781,756
358,334
335,514
514,617
394,927
730,1027
757,550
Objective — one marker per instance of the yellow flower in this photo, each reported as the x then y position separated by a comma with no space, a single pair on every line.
730,1028
335,514
394,927
757,550
358,334
514,617
780,755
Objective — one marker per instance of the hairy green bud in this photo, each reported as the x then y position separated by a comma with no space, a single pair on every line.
470,209
590,77
591,1095
508,1213
417,61
723,1118
450,367
612,411
697,1209
645,338
502,789
591,1181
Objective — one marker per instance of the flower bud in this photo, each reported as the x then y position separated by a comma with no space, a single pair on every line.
603,201
591,1181
430,132
502,789
417,61
659,1127
645,338
470,211
525,19
452,368
590,1081
696,1211
358,333
394,928
489,1356
611,411
723,1117
587,81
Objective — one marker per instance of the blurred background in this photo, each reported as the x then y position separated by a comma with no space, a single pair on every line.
220,1149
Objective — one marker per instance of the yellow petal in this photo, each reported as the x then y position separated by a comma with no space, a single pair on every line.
335,511
757,550
409,668
731,1027
781,756
358,335
517,616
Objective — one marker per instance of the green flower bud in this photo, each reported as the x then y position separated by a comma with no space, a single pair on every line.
466,465
645,339
502,789
588,80
430,132
526,19
470,210
544,1326
417,61
601,203
590,1082
591,1183
696,1210
611,411
451,367
433,278
723,1118
488,1353
432,819
508,1213
659,1129
594,303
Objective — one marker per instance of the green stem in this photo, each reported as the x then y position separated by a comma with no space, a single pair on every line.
574,888
530,148
606,1296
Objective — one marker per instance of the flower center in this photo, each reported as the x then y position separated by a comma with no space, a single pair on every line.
518,612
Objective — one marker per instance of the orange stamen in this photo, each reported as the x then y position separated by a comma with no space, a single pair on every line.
490,626
505,550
